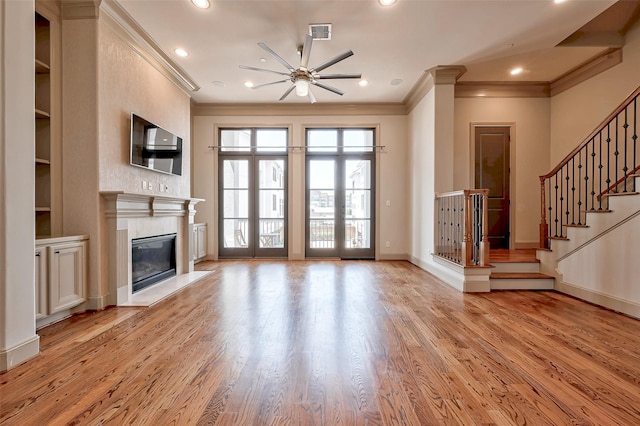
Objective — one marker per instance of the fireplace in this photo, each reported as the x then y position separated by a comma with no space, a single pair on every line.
153,259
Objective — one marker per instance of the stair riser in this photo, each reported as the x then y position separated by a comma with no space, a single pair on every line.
515,267
522,284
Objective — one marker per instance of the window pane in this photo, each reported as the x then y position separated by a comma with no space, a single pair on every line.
358,204
321,233
322,140
321,174
271,140
357,234
357,174
236,174
271,233
235,140
235,233
271,174
236,203
321,204
271,203
358,140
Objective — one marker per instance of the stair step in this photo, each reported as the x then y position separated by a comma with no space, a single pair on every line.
521,281
515,267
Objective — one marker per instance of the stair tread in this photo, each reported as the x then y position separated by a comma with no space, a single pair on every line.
519,275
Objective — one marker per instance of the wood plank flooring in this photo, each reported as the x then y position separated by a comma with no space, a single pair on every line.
332,343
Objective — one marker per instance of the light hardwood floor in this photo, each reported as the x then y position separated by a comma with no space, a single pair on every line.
332,343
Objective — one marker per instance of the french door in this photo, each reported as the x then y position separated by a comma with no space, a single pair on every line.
252,196
340,200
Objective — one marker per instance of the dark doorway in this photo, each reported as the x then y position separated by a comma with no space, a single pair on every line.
492,169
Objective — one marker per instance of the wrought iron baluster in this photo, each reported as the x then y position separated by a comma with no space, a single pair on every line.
635,138
608,181
556,205
573,192
616,154
580,183
550,231
601,167
625,169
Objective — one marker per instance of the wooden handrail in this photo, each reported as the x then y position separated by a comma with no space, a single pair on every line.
593,134
619,182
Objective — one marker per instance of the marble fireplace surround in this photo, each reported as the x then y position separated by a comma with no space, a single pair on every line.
130,216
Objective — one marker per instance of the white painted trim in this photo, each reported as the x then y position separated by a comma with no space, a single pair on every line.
623,306
394,256
18,354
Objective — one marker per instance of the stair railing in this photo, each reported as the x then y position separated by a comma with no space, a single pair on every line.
461,227
600,166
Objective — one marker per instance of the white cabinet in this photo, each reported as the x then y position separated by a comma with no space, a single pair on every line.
199,241
61,274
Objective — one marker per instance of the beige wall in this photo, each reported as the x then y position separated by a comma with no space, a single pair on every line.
578,111
128,83
529,122
391,179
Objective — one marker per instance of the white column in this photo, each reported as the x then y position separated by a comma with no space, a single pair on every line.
18,339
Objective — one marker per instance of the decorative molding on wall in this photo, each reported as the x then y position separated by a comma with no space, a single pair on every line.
142,43
318,109
443,74
51,8
587,70
491,89
80,9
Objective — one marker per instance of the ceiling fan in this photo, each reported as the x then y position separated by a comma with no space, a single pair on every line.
302,77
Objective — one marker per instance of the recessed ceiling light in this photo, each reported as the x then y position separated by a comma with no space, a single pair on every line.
516,71
201,4
248,84
181,52
263,59
396,82
559,1
363,83
386,2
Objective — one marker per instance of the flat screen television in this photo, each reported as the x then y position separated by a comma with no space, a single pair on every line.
154,148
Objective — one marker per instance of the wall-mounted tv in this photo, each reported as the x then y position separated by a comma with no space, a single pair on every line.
154,148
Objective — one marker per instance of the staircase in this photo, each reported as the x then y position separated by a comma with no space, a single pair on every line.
517,270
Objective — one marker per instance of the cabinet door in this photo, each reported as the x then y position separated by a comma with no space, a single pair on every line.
66,276
41,282
202,241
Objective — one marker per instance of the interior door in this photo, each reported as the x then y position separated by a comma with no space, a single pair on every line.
492,171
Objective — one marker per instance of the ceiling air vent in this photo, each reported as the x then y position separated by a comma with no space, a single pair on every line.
320,31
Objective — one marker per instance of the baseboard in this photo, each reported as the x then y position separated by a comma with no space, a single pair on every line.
447,277
53,318
96,303
393,256
597,298
16,355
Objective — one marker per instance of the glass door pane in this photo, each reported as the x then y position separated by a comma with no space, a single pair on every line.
235,207
271,210
358,203
321,214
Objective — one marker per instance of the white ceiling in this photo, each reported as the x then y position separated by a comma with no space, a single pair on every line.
396,42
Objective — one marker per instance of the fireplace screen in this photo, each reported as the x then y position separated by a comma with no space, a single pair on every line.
153,259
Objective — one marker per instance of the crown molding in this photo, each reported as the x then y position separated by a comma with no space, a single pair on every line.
142,43
50,8
443,74
594,66
493,89
80,9
318,109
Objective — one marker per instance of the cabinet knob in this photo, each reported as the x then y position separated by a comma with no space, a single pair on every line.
57,252
37,254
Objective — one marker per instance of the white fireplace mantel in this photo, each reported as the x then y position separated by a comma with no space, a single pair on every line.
130,216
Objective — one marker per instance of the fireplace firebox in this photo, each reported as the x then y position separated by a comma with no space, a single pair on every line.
153,259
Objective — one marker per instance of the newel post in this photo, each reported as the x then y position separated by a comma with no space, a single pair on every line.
544,227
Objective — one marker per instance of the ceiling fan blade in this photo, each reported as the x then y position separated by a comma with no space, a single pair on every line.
269,84
333,61
276,56
244,67
306,51
312,98
336,76
289,90
329,88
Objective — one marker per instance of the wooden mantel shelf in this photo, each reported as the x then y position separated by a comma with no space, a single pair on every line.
124,204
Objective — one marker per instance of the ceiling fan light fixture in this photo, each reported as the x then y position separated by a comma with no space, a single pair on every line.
302,87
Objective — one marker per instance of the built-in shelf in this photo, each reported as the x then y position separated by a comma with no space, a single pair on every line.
43,209
42,161
42,114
